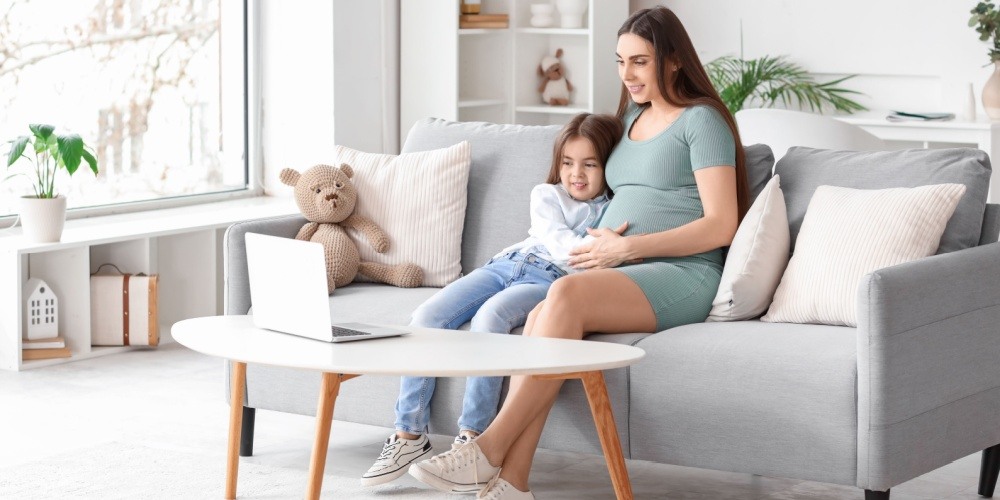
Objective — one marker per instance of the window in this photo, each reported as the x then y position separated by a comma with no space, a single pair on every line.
156,87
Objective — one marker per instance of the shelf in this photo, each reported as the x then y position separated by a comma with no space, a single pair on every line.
552,110
183,245
477,103
553,31
482,31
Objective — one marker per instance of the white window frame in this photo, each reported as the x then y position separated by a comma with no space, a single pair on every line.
252,165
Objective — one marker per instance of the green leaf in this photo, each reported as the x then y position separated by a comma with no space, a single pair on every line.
70,151
17,149
91,160
41,131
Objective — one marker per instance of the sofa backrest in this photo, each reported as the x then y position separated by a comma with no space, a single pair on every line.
507,161
991,225
802,170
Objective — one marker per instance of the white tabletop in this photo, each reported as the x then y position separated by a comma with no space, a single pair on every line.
425,352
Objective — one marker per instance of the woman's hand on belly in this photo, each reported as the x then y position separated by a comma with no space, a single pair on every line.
608,249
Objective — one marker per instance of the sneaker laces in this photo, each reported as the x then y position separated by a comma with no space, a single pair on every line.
453,460
488,492
389,449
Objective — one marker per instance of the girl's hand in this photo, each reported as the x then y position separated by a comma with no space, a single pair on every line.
609,249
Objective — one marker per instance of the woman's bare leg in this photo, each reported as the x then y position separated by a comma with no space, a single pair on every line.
593,301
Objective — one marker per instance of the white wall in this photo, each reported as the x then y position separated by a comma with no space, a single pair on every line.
909,54
328,76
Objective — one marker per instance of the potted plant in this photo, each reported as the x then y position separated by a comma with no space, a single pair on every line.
767,80
43,214
986,20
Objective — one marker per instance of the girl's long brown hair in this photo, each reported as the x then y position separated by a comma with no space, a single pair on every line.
691,85
603,132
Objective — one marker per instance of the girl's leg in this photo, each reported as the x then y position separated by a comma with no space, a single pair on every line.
500,314
601,300
449,308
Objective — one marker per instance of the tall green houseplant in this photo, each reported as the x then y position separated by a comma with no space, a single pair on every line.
769,80
52,151
986,20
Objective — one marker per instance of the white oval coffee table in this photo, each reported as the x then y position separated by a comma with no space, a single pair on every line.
430,352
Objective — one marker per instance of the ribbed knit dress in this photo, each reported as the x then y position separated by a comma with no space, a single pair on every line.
655,190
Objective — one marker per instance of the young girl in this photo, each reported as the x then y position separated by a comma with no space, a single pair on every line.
498,296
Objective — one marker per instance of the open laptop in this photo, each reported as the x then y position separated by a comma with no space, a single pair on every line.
288,291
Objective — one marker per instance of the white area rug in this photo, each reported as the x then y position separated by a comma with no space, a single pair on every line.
127,471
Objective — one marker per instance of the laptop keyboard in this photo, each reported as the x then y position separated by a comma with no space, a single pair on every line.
337,331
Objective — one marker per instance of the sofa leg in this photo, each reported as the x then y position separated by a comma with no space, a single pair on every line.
876,495
246,432
989,470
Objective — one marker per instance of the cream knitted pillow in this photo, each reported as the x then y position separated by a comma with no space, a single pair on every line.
848,233
419,200
756,259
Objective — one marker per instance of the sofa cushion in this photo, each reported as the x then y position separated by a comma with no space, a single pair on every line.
771,399
419,200
848,233
759,165
756,259
507,161
802,170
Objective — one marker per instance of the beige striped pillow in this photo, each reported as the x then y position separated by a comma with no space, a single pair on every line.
848,233
419,200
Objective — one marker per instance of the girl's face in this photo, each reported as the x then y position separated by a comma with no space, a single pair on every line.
637,68
581,172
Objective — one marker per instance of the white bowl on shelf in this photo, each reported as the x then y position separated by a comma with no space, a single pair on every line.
571,12
542,15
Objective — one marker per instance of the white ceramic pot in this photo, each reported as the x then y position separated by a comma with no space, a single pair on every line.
42,218
571,12
991,93
542,15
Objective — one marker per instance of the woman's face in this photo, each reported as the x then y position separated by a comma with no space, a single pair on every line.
637,68
581,173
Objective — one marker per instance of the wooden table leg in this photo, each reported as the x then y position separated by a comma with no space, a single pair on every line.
607,431
235,422
324,415
604,419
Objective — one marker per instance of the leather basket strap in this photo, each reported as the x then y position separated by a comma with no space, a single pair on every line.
153,329
125,309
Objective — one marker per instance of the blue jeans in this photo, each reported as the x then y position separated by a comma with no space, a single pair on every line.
497,299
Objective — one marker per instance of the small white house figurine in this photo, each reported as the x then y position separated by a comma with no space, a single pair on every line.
41,310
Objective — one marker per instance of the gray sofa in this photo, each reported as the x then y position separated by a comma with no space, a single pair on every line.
914,387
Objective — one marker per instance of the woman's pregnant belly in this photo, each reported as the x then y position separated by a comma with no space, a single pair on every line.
650,210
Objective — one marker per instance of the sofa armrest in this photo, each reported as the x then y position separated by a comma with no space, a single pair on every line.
237,282
928,370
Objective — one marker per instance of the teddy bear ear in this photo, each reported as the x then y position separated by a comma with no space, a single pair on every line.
558,52
347,170
540,71
289,176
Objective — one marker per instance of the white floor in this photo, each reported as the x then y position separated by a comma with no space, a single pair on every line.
173,399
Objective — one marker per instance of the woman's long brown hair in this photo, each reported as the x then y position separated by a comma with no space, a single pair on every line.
691,85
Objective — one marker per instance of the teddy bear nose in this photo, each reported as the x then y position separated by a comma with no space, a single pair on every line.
332,196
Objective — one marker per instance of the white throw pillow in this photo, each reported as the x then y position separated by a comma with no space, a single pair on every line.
756,259
419,200
848,233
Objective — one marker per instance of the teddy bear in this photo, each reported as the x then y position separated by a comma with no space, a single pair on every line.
326,197
555,88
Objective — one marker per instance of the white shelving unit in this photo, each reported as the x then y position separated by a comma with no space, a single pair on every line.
491,74
182,245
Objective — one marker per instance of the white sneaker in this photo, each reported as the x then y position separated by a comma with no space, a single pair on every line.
397,455
500,489
462,470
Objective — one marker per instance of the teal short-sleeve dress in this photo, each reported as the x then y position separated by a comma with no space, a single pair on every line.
655,190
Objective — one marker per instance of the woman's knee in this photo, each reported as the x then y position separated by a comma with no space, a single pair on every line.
567,291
